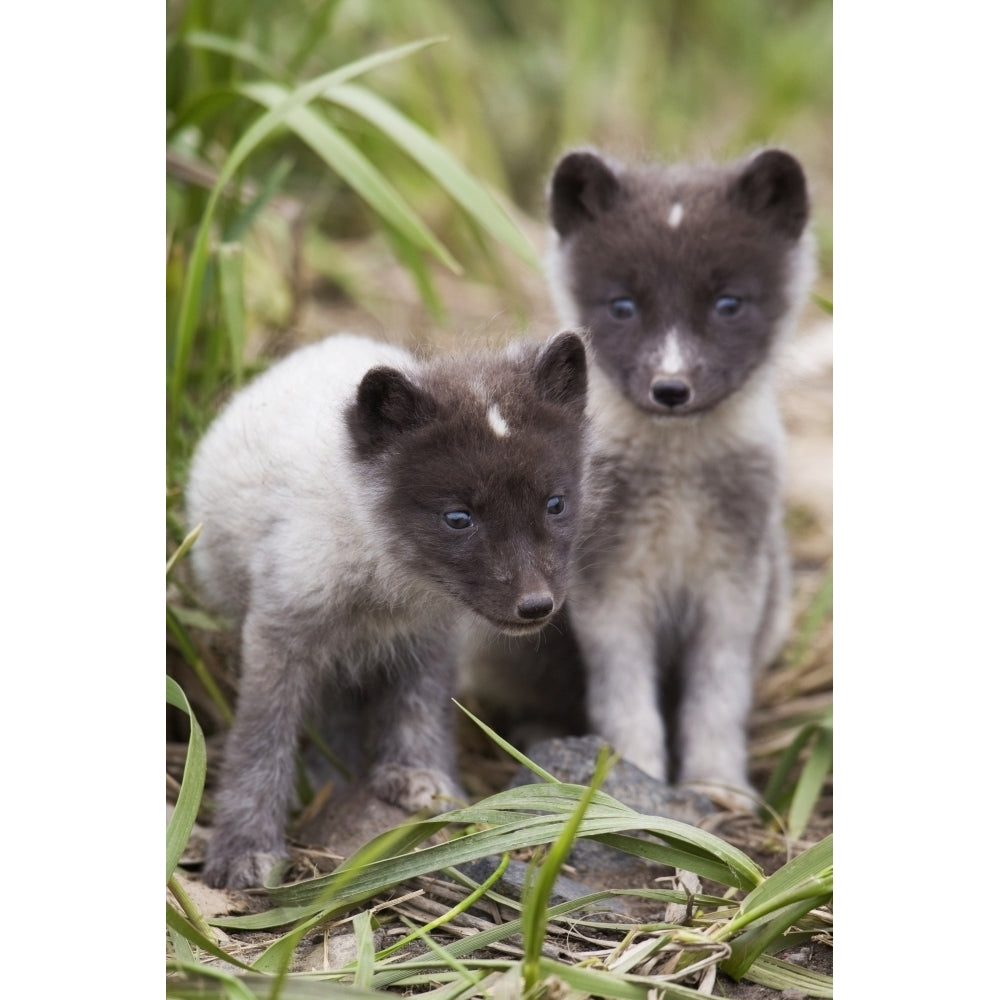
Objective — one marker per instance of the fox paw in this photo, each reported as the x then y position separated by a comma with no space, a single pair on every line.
415,788
731,797
239,870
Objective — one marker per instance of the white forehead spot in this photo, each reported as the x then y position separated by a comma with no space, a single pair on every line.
676,214
672,359
496,421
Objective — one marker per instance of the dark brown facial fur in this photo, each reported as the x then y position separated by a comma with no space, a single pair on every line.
702,254
489,515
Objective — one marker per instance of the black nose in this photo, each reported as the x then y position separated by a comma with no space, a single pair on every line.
531,607
670,392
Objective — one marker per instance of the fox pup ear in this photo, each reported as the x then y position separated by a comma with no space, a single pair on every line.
388,404
561,371
773,186
583,186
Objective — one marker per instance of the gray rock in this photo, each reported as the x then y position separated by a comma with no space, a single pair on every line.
511,883
571,759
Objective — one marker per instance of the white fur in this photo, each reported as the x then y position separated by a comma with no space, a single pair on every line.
496,421
672,360
275,498
676,214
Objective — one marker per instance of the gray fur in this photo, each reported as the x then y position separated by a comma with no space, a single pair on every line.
682,577
322,490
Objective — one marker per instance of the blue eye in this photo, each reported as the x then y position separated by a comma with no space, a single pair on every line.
728,305
458,519
622,309
555,505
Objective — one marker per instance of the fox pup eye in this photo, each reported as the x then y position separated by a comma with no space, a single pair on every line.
458,519
622,309
555,505
728,305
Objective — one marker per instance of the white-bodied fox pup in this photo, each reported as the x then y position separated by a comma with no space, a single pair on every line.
356,507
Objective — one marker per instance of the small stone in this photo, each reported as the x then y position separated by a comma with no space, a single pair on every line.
571,760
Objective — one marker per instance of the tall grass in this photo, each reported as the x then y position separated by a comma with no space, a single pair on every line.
232,106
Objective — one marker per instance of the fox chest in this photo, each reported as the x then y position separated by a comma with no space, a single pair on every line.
668,522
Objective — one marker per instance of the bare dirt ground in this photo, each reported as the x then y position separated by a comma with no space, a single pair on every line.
479,313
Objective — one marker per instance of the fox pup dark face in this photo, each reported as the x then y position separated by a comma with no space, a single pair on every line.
483,485
681,277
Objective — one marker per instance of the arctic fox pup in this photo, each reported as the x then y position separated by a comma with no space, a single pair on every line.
357,506
686,280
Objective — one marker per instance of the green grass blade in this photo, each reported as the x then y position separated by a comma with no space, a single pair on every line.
728,866
187,905
535,899
596,983
337,893
778,975
441,952
181,947
233,311
769,910
411,257
776,792
345,159
749,946
251,139
366,949
819,610
181,925
192,657
234,47
272,184
183,548
438,162
470,900
314,31
512,750
202,982
687,847
514,828
812,863
192,783
810,786
823,303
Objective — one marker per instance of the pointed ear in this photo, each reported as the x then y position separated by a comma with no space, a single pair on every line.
772,186
561,371
583,186
387,406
